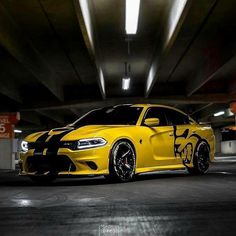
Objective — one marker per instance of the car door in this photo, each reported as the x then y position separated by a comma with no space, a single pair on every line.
160,138
184,135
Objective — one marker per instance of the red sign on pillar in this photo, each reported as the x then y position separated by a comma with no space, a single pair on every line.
233,107
7,122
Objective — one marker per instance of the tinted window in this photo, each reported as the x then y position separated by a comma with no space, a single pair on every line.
176,118
119,115
157,112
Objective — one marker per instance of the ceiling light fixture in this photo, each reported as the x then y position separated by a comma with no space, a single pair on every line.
126,78
17,131
220,113
131,16
125,83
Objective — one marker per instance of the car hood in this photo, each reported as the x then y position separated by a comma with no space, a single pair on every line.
70,133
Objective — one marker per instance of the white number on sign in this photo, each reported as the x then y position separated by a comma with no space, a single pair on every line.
2,128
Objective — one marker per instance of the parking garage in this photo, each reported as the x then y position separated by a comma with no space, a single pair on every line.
61,59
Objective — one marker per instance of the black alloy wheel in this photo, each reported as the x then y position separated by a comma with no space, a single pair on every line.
201,159
122,162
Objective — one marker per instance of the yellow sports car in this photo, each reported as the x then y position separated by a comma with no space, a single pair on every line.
119,142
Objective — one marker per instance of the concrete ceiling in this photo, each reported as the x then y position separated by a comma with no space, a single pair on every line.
51,72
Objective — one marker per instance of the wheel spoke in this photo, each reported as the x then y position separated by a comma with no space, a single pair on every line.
128,166
126,153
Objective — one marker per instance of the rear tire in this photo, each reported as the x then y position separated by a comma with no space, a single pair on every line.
122,162
201,159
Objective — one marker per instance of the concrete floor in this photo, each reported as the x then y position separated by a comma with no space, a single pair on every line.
167,203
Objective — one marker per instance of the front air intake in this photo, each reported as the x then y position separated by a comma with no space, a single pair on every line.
54,164
92,165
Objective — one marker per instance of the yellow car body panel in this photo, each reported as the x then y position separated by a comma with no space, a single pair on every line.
156,148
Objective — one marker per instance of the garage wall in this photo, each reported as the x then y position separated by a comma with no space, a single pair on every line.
228,147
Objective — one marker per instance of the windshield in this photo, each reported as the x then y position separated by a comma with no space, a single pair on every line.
119,115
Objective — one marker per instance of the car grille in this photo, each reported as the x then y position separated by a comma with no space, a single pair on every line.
53,164
55,145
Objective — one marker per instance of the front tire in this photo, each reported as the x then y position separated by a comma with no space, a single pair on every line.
122,162
201,159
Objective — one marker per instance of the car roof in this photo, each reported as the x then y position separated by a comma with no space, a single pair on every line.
155,105
147,105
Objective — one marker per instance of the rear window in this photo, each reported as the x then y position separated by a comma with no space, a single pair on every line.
176,118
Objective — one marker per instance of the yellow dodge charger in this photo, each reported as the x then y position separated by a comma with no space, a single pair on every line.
119,142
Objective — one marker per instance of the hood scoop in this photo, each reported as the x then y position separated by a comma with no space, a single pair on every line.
62,129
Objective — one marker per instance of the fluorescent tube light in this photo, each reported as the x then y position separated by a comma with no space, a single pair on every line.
17,131
220,113
131,16
125,83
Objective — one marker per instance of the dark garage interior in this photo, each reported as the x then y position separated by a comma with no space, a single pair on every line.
60,59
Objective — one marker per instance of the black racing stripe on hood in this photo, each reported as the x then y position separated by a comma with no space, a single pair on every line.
54,142
42,138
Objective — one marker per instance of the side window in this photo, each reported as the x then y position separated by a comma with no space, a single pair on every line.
176,118
156,112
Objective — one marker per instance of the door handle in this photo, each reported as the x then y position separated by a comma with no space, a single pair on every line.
171,133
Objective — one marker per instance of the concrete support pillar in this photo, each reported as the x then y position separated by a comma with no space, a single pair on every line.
218,140
7,156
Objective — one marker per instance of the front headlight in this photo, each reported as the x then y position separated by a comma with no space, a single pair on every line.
91,143
24,146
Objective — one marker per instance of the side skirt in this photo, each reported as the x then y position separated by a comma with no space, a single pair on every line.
160,168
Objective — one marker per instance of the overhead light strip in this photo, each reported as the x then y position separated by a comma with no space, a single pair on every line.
220,113
84,6
87,20
131,16
176,11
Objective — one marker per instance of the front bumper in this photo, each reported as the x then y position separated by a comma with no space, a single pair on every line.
66,162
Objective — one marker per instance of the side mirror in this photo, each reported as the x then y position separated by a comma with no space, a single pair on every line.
152,122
